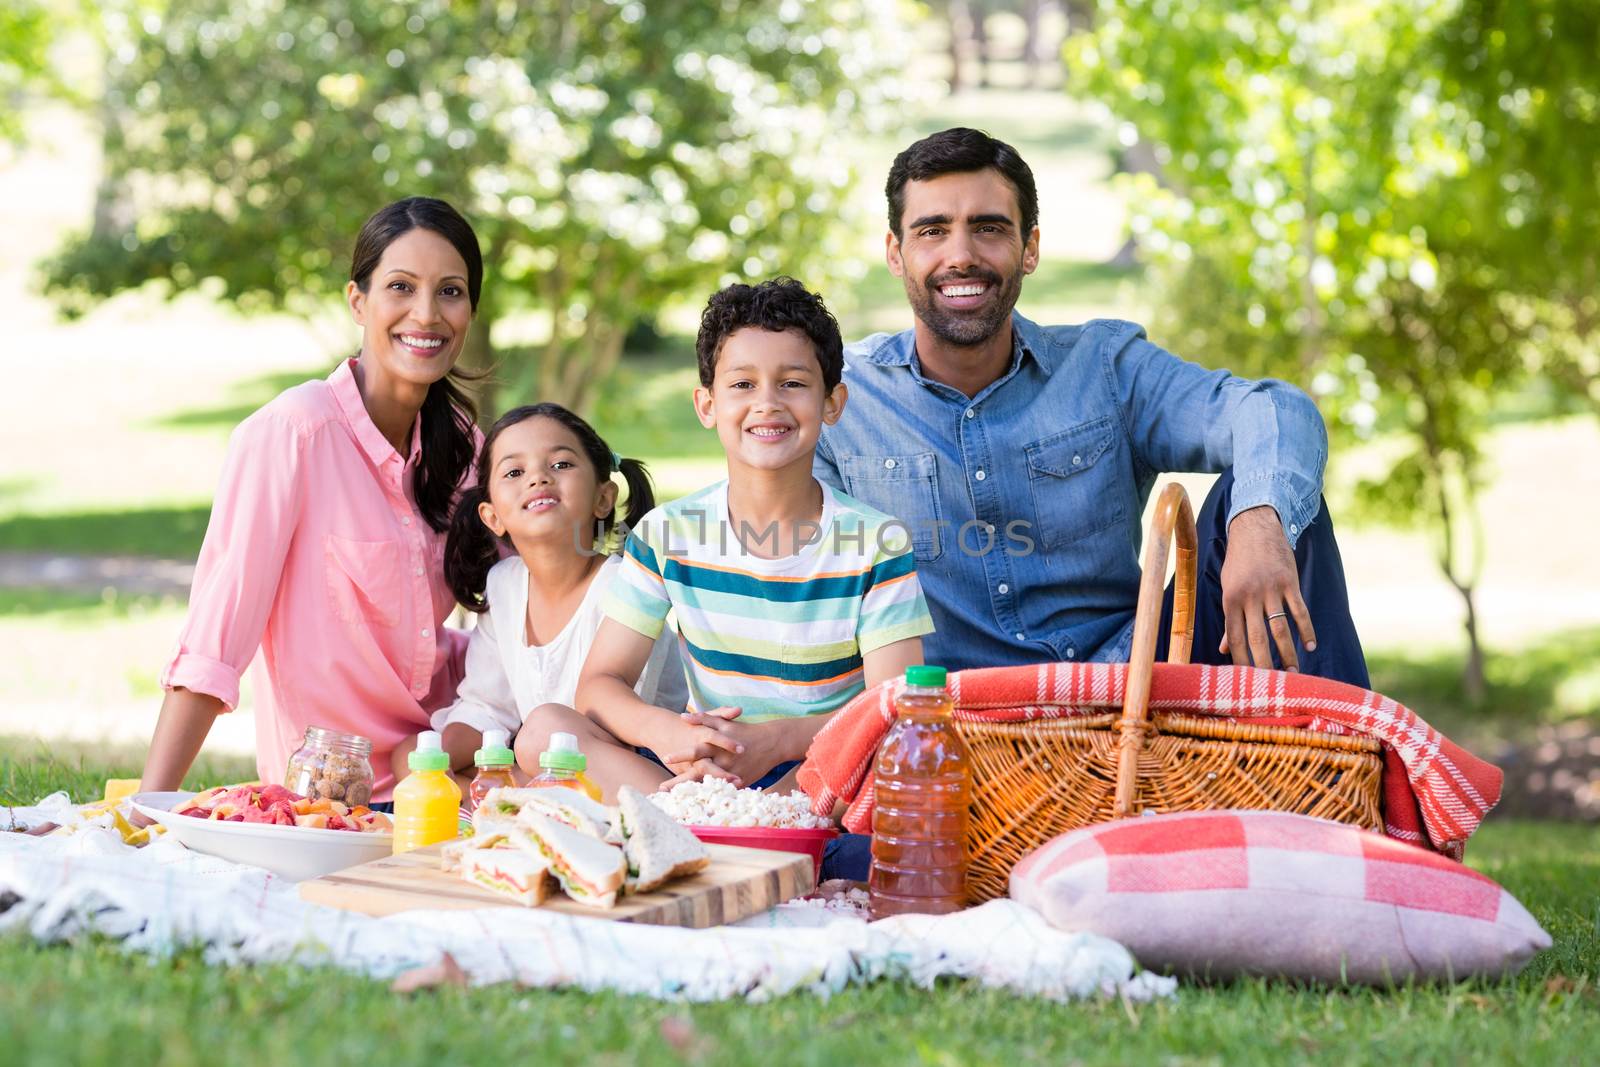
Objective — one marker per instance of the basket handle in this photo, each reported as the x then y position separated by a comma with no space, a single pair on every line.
1173,516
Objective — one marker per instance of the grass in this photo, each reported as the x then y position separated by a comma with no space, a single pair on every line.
171,531
1548,681
76,608
87,1002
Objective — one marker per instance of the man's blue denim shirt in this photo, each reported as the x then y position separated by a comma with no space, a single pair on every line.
1049,467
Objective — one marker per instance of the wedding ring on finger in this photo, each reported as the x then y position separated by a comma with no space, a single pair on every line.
1277,615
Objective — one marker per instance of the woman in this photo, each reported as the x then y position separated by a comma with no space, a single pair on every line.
326,541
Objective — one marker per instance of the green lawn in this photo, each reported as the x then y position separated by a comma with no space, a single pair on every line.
88,1003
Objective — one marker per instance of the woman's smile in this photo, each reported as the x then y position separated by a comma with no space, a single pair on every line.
423,344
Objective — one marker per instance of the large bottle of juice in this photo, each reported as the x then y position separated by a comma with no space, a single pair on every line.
427,801
924,784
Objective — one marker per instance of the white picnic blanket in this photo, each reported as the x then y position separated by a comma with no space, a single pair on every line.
163,897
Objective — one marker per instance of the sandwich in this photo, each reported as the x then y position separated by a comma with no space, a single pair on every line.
566,806
589,870
658,847
451,853
514,869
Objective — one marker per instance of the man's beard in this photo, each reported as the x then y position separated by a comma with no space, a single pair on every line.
965,329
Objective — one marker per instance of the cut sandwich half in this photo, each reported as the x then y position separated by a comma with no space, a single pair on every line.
520,873
658,847
589,870
568,807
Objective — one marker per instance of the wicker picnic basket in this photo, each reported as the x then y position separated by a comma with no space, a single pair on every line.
1036,779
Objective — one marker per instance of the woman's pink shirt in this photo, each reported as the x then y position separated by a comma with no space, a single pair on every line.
317,556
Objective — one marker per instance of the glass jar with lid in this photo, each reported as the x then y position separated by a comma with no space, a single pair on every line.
330,765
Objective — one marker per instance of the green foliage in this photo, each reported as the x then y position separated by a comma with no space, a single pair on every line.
1334,216
25,35
612,154
1522,81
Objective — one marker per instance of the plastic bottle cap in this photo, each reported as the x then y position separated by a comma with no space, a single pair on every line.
496,751
926,676
429,755
563,754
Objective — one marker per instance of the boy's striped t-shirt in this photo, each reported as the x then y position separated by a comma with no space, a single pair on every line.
775,637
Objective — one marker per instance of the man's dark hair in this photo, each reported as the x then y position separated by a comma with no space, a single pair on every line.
777,304
960,151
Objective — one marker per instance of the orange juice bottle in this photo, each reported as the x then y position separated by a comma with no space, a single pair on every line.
564,765
427,801
924,785
494,761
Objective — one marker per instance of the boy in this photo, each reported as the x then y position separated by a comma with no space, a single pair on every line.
790,597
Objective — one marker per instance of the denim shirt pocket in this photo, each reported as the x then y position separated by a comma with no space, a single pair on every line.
905,486
1073,494
364,580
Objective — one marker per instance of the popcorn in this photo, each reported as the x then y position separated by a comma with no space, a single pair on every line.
715,802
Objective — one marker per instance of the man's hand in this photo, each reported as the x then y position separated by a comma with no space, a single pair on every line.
1261,593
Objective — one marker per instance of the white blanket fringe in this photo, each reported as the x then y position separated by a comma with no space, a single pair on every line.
163,898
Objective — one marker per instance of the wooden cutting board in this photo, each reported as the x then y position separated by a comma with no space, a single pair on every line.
739,883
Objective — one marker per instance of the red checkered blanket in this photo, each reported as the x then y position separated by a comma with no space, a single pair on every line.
1434,792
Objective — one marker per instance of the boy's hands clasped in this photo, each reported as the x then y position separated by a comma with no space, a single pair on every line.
716,746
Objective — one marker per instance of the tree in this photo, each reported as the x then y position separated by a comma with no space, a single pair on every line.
611,154
1526,93
1312,231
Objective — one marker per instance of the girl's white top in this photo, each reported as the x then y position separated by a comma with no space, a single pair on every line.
507,678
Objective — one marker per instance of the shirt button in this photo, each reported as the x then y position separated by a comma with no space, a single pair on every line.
426,632
405,520
1293,528
1071,653
418,572
1021,638
988,528
1003,587
889,464
980,476
1077,461
971,413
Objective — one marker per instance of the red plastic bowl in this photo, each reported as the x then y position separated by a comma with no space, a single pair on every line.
775,839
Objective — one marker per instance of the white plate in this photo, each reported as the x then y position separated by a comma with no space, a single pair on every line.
293,852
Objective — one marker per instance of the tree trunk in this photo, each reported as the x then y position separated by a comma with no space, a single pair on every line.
980,43
1032,47
478,360
955,18
114,213
1474,682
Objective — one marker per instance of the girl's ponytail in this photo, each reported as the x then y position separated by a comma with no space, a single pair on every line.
470,550
641,493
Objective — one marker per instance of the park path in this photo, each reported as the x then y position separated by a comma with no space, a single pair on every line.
126,575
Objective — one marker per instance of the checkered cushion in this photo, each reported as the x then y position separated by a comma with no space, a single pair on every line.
1225,893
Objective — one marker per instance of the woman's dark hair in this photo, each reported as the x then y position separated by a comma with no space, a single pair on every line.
776,304
959,151
471,548
448,413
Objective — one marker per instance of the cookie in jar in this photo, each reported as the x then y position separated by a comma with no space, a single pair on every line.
330,765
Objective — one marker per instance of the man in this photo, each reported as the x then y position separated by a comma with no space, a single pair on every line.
1021,456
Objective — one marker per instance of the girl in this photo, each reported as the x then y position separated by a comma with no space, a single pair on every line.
326,541
544,491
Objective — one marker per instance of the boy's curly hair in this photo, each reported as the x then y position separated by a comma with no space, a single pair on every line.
776,304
